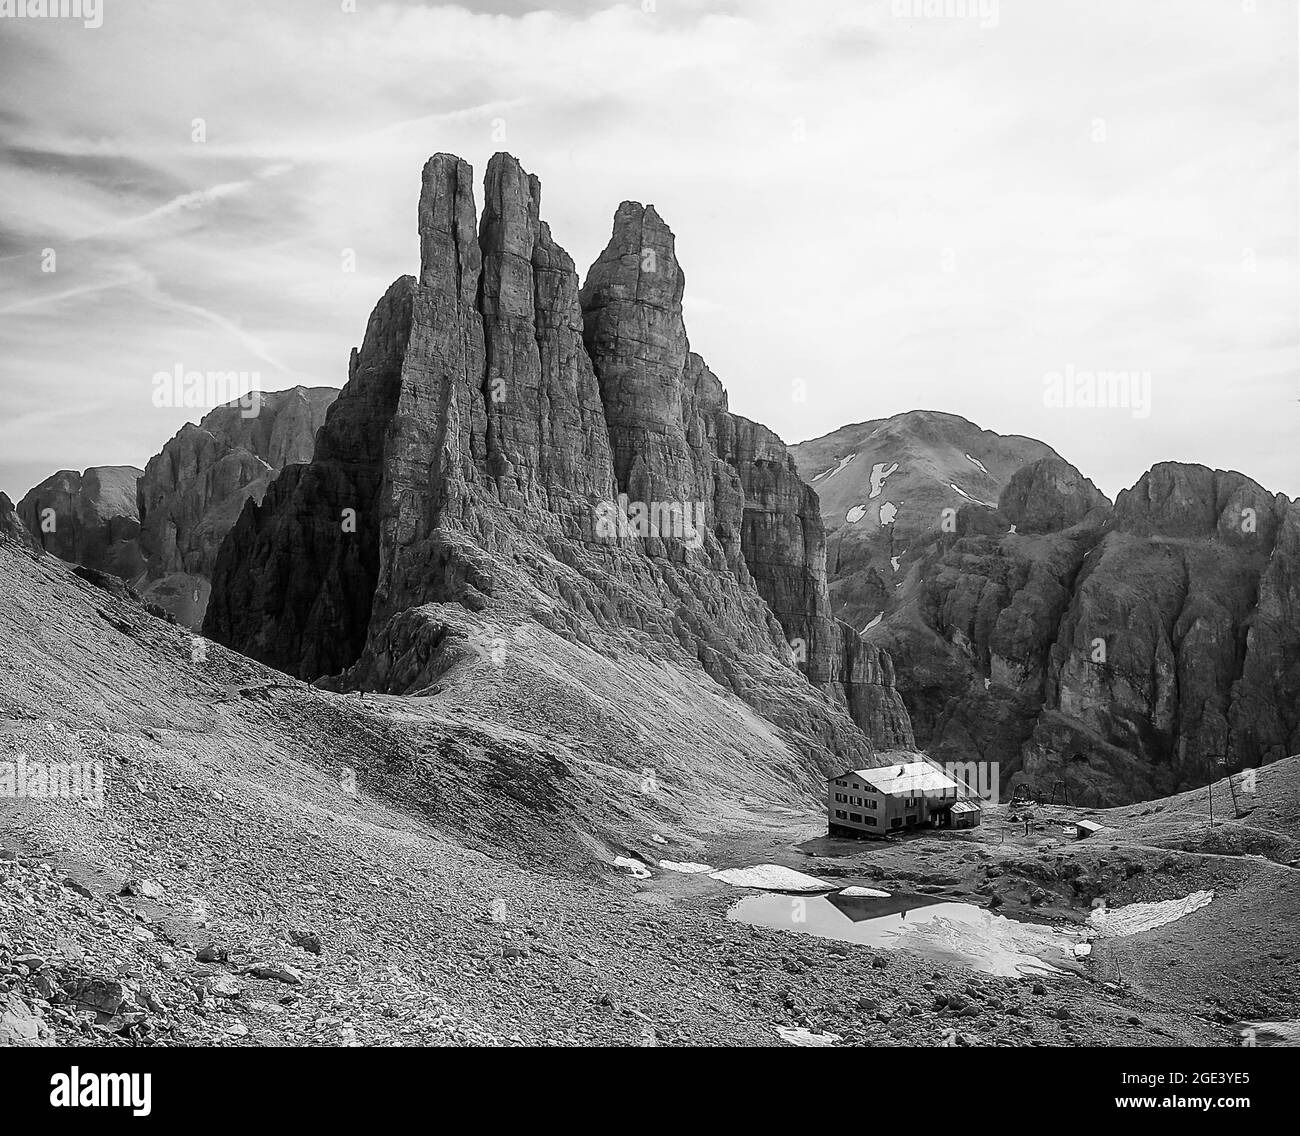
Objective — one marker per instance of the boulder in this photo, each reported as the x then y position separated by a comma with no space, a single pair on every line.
20,1026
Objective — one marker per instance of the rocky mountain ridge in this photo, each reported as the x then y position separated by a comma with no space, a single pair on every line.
521,468
89,518
11,524
191,492
887,485
159,528
518,468
1113,652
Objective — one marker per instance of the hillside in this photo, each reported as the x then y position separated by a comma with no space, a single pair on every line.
277,864
393,828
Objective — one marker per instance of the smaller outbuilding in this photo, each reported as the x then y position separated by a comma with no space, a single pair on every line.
964,814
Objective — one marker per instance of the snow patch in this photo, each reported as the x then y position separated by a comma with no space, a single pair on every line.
1272,1033
954,486
1013,529
873,623
688,868
829,473
871,893
638,869
893,562
1119,922
855,514
888,511
976,463
879,472
770,877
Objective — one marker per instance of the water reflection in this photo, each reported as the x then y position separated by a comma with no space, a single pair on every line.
956,933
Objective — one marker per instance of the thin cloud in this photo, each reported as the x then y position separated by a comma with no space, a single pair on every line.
899,212
185,203
33,303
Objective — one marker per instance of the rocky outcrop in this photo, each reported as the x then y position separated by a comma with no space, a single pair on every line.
160,528
865,675
1193,502
547,442
1127,653
326,514
673,438
634,332
514,454
1151,656
191,493
1264,715
889,488
11,524
88,518
783,547
1049,495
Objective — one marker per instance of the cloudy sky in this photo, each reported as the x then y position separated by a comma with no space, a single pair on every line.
876,211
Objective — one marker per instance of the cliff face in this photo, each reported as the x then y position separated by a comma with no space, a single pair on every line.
524,457
160,528
634,333
1125,651
674,439
1152,656
1264,715
88,518
1049,495
11,524
294,579
191,493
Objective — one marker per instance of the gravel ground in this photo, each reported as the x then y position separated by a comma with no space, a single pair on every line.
276,865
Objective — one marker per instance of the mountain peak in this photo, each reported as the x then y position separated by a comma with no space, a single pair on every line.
516,452
1178,499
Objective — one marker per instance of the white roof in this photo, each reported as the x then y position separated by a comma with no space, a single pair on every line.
910,778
